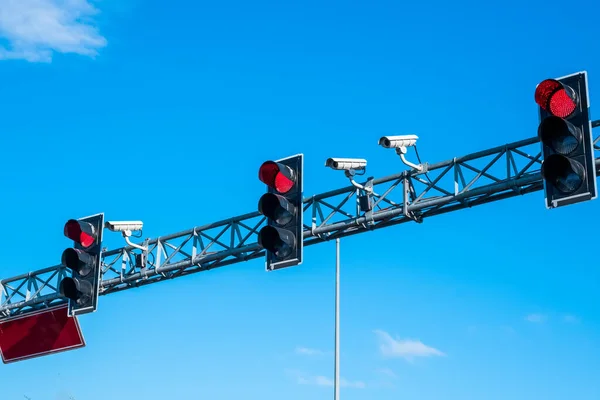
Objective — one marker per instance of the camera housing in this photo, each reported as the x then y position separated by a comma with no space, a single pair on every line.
121,226
346,164
394,142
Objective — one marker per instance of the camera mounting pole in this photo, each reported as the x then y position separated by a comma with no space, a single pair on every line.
401,151
127,228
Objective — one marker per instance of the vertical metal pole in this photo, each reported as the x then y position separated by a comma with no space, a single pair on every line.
336,366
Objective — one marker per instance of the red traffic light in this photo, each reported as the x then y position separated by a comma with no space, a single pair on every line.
80,232
557,99
277,176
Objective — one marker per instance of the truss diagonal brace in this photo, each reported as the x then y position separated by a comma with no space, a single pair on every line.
178,254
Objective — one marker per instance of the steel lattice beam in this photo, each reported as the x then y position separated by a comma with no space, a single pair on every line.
483,177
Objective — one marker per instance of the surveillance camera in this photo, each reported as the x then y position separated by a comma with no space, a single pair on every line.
346,163
121,226
398,141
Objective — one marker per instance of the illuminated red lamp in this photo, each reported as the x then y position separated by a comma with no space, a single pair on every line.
557,99
82,233
277,176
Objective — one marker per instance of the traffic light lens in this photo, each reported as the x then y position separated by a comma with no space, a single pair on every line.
283,184
68,289
569,182
564,174
82,233
561,104
557,99
280,242
76,290
565,144
276,207
277,176
78,261
560,135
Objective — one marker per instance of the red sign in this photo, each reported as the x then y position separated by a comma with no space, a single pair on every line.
39,334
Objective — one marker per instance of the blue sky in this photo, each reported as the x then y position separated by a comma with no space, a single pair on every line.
163,111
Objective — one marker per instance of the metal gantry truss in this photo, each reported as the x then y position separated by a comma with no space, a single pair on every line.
483,177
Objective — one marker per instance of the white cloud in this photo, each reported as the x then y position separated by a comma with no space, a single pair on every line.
387,372
508,329
320,380
308,351
35,29
536,318
572,319
405,348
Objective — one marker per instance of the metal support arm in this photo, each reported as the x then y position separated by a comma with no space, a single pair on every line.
483,177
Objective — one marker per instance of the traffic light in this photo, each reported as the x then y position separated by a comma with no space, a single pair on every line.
83,259
565,132
282,237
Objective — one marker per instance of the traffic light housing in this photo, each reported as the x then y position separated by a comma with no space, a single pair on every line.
83,260
565,132
282,236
